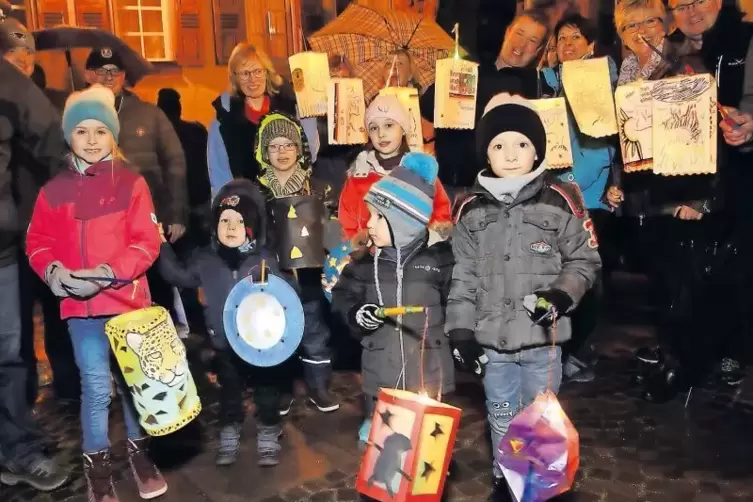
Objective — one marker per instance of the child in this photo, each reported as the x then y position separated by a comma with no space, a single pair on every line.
386,122
282,152
97,220
523,232
402,270
237,249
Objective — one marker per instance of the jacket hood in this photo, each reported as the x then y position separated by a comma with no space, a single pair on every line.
304,158
249,189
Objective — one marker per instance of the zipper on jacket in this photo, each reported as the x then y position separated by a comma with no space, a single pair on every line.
135,287
83,259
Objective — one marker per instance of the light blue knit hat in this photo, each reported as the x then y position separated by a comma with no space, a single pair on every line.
95,102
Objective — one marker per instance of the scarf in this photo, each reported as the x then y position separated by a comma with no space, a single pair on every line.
234,257
296,184
508,188
631,70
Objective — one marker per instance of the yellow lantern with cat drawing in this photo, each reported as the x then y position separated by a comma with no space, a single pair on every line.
153,361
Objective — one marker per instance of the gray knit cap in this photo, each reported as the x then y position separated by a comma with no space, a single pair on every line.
279,128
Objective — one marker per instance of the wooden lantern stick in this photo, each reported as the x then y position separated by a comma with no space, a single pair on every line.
263,271
456,31
295,274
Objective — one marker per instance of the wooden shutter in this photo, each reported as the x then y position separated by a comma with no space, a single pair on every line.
93,14
277,31
189,46
52,13
257,24
229,27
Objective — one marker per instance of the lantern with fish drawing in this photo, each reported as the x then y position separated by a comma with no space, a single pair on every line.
410,442
310,74
153,361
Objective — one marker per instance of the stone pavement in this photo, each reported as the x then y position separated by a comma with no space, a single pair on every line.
630,450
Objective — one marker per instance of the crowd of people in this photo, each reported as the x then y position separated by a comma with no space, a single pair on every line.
126,204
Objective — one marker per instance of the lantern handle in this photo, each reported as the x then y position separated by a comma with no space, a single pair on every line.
456,32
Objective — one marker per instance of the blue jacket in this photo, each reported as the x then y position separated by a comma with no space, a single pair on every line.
592,157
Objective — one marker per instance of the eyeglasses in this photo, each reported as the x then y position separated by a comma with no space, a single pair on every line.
648,23
685,8
286,147
111,72
247,74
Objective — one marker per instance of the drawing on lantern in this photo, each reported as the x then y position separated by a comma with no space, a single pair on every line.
589,92
634,119
456,86
553,113
346,111
310,75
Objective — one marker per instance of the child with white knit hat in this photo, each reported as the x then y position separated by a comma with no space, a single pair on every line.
93,235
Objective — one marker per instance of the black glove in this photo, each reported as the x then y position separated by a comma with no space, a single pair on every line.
467,352
364,316
542,306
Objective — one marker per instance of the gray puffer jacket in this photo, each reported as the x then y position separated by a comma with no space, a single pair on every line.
507,249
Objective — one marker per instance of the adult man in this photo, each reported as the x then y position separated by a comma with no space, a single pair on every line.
17,47
29,122
149,142
514,72
723,42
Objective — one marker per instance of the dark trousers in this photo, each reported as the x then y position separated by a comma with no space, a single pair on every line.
57,344
20,440
316,354
232,374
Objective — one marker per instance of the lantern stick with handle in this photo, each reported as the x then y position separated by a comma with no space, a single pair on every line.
383,312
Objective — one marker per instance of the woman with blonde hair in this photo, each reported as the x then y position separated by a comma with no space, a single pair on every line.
255,90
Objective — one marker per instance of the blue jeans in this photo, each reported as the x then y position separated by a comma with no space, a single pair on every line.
91,349
512,382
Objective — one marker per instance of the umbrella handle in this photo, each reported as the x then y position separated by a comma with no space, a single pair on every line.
69,60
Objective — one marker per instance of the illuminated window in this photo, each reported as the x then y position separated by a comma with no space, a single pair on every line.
145,25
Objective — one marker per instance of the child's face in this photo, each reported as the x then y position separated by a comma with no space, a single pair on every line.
511,154
386,135
283,154
92,141
379,229
231,230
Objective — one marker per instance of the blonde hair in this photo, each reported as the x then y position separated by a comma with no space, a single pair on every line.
625,7
245,52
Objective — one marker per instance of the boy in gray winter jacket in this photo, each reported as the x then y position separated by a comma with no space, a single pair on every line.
522,233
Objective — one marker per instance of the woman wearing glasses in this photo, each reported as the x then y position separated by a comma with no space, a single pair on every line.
255,90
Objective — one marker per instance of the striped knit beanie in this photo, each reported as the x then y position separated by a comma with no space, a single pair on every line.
406,197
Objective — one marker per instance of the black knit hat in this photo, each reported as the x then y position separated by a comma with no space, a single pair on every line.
510,113
244,205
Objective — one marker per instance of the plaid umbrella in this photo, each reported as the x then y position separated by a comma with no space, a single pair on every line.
366,36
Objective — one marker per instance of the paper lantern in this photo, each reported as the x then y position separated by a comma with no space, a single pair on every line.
553,113
409,448
263,320
346,112
309,72
153,361
539,455
298,227
455,94
336,261
408,97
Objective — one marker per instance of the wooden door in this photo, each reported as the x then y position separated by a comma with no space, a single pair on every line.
229,27
51,13
257,23
93,14
277,30
189,21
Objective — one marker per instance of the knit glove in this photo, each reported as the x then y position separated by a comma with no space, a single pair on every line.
542,306
86,288
364,316
54,276
467,352
103,271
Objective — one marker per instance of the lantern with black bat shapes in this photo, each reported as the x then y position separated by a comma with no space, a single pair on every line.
299,231
409,449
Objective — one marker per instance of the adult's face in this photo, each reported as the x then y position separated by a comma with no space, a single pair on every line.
21,58
109,75
523,41
641,26
694,17
252,78
571,44
402,72
551,53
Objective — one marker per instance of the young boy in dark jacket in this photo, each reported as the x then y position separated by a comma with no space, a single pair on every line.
237,250
283,155
524,248
401,270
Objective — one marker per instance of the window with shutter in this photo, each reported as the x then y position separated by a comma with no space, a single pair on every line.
189,43
93,14
51,13
229,27
145,26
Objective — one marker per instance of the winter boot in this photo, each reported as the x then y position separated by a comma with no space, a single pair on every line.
230,444
149,480
317,375
363,434
500,491
98,474
286,404
42,474
323,400
268,444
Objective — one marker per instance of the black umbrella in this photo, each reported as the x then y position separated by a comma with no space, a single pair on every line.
66,38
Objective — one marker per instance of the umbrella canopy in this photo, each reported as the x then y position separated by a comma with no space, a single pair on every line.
366,37
66,38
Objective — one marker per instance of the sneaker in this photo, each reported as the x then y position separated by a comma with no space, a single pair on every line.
649,355
42,473
98,474
500,491
268,444
583,375
732,373
148,479
323,401
230,445
286,404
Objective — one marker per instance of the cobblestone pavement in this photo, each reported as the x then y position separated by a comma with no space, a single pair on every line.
630,450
